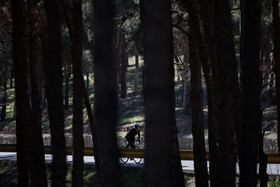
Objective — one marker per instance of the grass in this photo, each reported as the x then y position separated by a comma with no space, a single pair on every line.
274,183
130,119
130,176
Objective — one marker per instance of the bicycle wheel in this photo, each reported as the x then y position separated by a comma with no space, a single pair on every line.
137,160
123,159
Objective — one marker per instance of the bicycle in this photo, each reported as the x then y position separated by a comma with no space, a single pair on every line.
125,146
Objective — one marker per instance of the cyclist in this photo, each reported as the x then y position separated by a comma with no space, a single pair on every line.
130,136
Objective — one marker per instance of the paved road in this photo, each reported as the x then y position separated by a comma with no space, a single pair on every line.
187,166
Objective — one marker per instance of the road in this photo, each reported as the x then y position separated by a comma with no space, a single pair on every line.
187,166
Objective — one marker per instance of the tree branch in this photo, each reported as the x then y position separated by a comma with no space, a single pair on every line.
179,28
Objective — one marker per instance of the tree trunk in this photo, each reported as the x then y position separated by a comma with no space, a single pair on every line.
93,129
78,89
54,93
250,92
44,72
124,65
5,95
67,74
136,78
36,148
162,160
21,88
200,164
186,86
11,77
105,98
276,53
226,118
263,161
87,85
210,70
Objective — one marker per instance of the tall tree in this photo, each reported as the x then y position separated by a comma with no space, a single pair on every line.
225,87
195,39
276,53
54,93
123,66
4,82
21,88
162,152
207,13
78,93
36,148
105,98
136,78
67,74
186,92
250,91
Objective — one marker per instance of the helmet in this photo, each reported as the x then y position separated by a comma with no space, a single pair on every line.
137,126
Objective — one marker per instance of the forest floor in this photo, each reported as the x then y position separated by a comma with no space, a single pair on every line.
130,176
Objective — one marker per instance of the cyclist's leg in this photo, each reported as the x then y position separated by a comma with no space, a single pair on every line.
132,143
127,140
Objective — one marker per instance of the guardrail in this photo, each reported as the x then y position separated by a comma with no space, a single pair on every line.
272,157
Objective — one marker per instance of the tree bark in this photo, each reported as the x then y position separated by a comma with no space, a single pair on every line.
250,92
5,95
136,79
162,160
11,77
78,93
105,98
21,88
276,53
54,93
200,164
93,129
263,161
207,10
44,72
36,148
124,65
186,86
67,74
226,118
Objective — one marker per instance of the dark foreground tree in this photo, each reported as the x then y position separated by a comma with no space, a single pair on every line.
162,160
250,91
195,39
21,88
105,98
276,53
225,87
36,148
78,93
54,93
3,83
210,72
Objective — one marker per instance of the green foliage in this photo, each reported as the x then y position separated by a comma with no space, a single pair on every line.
129,119
275,183
187,180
